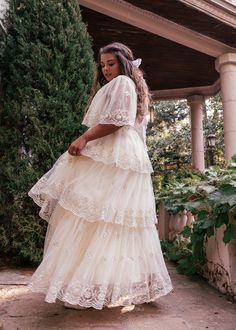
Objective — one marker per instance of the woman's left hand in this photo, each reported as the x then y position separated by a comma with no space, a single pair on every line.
77,146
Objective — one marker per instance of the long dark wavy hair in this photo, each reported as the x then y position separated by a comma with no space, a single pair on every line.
125,57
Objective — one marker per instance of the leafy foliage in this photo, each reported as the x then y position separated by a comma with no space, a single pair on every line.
169,113
169,140
169,136
47,71
178,251
213,124
211,197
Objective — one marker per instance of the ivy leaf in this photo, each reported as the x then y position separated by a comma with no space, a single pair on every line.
186,232
221,219
198,251
227,189
186,266
208,223
233,211
197,237
194,205
202,215
208,188
210,231
229,233
226,196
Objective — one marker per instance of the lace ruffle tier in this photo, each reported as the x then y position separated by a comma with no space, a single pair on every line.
123,149
106,193
100,263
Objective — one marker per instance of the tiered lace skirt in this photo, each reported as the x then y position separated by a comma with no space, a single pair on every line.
101,246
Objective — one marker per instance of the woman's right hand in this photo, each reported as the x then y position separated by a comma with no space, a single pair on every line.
77,146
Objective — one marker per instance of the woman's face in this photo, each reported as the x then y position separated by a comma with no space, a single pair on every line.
110,66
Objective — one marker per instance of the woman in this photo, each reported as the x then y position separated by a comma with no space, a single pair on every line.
102,247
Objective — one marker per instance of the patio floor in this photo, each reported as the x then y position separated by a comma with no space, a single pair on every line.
193,305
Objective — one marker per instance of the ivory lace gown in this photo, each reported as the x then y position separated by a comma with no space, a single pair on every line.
102,245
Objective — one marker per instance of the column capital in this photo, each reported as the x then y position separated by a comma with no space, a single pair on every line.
228,58
199,99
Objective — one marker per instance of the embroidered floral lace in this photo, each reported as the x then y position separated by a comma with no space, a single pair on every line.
115,103
87,209
102,247
98,295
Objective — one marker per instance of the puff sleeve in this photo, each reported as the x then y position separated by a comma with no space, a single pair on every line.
121,105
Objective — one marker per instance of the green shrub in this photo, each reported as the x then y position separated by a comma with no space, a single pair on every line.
47,71
211,197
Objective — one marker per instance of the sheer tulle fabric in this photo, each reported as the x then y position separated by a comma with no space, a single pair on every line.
102,246
95,191
97,264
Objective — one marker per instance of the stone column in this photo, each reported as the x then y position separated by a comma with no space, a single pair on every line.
226,66
196,103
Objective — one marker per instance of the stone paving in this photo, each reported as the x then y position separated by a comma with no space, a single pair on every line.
194,305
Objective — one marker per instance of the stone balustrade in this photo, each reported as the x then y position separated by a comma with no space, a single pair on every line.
170,226
220,266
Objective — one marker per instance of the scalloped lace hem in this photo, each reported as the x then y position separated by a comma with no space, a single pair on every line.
99,296
88,210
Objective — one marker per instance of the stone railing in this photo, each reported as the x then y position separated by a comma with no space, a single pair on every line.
220,266
170,226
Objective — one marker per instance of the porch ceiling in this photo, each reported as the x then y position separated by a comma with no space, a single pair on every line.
191,18
168,65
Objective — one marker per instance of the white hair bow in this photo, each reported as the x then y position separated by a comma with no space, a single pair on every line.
137,62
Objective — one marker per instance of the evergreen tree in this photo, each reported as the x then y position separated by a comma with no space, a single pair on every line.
47,71
168,113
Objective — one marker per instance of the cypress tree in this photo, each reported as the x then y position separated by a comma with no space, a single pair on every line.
46,71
